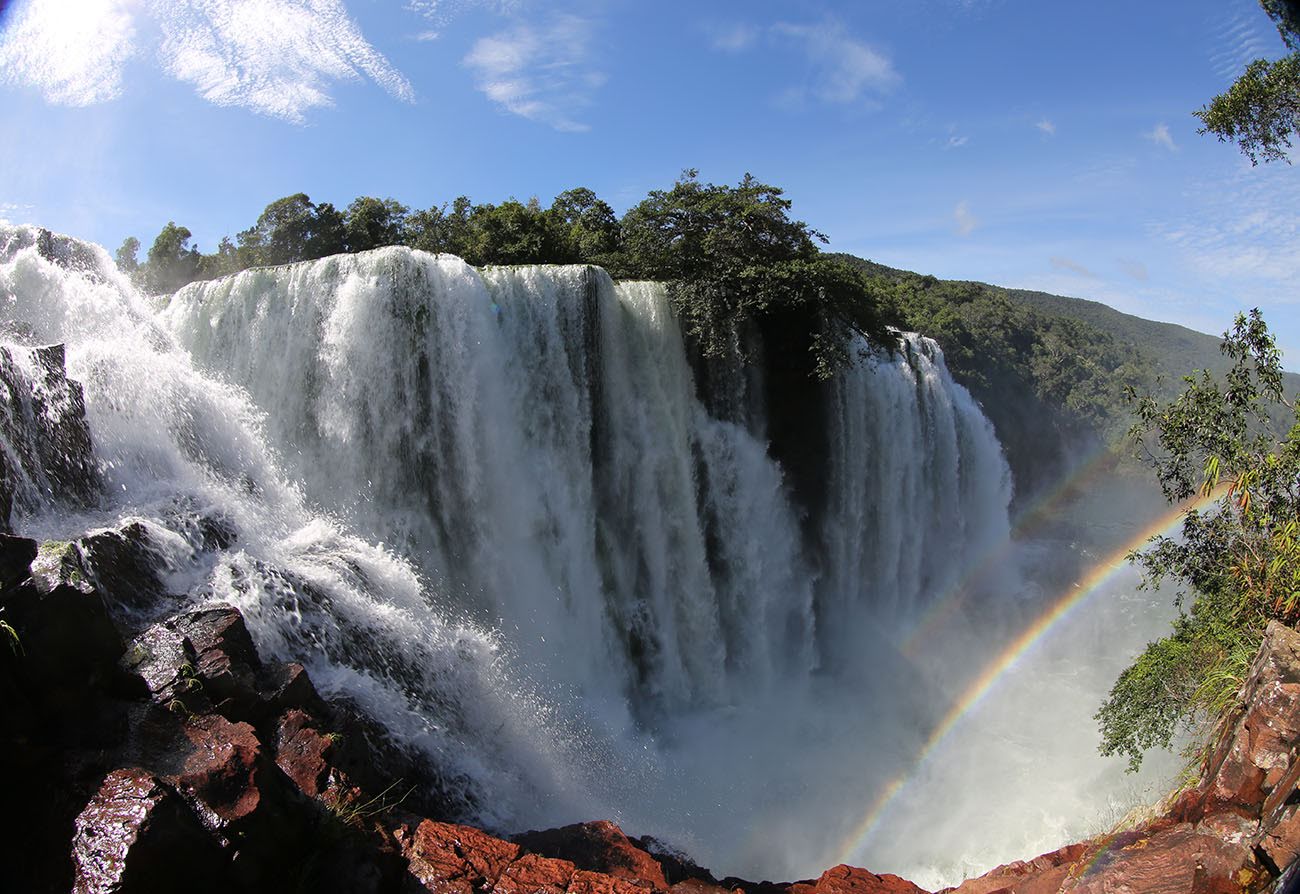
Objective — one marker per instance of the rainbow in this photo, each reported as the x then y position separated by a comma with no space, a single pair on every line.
1097,466
860,834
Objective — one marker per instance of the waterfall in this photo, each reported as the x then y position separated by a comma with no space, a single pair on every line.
490,508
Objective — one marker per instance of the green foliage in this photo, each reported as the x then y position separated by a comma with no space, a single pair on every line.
126,256
1236,565
8,633
171,262
733,256
1260,112
292,229
373,223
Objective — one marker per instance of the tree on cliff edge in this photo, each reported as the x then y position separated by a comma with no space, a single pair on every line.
1236,564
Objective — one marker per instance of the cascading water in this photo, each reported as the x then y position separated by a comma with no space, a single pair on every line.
591,596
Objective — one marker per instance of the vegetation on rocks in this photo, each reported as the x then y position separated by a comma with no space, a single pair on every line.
1236,564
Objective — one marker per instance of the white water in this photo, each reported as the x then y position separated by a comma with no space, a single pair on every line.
489,507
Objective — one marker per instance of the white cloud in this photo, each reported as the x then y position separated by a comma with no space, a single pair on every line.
845,68
733,38
540,73
1061,263
275,57
965,220
1046,127
1161,137
956,142
73,51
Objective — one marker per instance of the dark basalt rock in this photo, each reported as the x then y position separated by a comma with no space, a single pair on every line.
43,420
137,835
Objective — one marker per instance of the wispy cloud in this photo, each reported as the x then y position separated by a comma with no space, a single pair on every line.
10,212
1046,127
542,73
966,221
1242,231
1136,269
1161,136
956,142
1239,39
845,69
733,38
1062,263
275,57
72,52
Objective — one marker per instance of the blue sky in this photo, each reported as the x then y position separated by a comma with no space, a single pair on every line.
1035,144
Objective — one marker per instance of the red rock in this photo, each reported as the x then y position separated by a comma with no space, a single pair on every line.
599,847
584,882
1044,873
137,835
1281,841
1179,860
535,874
223,769
303,753
844,879
452,859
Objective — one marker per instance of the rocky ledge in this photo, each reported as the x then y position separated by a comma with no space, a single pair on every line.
170,757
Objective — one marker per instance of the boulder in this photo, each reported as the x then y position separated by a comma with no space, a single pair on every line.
199,661
452,859
137,835
598,847
844,879
1177,860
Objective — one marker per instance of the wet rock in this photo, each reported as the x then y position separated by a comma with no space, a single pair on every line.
452,859
599,847
224,770
304,753
43,420
16,556
124,565
137,835
198,661
69,645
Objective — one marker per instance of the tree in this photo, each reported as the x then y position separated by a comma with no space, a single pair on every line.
292,229
589,226
1260,112
126,256
171,262
1237,564
372,223
733,256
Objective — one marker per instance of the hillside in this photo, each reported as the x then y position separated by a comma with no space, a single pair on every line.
1050,371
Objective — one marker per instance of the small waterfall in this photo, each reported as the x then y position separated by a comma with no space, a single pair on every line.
490,508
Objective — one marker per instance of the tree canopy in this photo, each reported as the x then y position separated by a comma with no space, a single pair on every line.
1260,112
